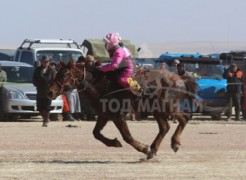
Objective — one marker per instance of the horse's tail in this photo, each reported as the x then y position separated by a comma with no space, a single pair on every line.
191,86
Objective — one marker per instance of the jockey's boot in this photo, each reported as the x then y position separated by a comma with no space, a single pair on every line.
67,116
46,115
135,87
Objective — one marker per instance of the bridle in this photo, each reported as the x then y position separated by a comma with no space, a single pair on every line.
73,79
139,72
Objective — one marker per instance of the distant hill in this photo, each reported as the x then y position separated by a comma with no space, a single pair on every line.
155,49
203,47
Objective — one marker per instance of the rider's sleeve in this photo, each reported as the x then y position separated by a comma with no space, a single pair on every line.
116,60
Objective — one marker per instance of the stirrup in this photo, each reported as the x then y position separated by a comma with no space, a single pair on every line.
134,87
138,93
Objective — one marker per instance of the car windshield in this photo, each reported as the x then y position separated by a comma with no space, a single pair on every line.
60,55
204,70
18,74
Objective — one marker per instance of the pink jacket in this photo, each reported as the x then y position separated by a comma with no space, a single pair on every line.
121,57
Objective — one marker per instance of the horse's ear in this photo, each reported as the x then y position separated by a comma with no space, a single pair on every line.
71,62
62,63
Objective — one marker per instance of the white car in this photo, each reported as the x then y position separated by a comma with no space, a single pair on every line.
18,94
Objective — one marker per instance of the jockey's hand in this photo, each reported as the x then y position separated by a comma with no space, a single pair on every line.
98,68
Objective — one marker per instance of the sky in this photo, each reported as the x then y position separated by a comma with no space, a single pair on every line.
141,21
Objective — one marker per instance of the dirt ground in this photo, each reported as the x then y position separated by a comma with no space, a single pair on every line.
210,150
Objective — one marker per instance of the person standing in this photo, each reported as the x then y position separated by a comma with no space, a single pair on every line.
87,112
162,67
181,70
3,75
42,77
174,65
234,89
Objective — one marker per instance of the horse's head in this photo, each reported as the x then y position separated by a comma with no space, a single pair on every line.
68,75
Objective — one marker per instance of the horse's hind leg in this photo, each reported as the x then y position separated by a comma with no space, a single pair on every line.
163,129
123,128
100,123
183,120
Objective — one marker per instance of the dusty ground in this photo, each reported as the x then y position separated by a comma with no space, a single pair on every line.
210,150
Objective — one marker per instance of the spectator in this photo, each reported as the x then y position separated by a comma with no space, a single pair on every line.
234,89
87,112
98,63
181,70
43,75
53,64
174,65
81,59
162,67
71,104
66,114
90,63
3,75
3,78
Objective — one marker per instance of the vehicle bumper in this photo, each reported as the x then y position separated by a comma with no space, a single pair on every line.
30,106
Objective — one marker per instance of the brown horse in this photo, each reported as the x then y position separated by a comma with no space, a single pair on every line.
161,97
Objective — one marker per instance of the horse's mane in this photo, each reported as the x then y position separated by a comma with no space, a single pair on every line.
179,85
107,82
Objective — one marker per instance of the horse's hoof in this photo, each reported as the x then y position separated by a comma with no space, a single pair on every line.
175,147
151,154
117,143
146,149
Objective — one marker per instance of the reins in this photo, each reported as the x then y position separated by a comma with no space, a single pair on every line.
74,80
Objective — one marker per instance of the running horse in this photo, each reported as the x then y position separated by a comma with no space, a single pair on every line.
110,100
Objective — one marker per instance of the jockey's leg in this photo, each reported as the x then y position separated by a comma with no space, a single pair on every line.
124,75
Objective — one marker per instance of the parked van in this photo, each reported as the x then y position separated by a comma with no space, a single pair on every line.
32,50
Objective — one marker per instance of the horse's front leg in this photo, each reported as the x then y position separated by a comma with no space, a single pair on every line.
183,120
121,124
101,122
163,129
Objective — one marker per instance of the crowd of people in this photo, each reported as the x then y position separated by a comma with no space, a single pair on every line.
235,87
75,105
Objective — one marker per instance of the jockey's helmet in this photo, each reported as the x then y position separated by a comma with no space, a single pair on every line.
111,40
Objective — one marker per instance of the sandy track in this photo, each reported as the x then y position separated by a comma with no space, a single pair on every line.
210,150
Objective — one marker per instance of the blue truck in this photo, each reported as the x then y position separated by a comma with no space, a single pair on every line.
211,94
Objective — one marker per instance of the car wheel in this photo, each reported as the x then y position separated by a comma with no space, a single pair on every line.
25,116
216,116
13,117
3,116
